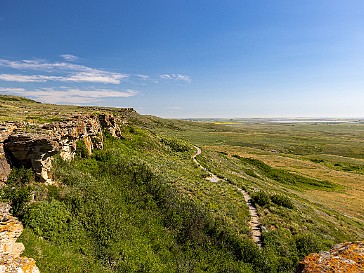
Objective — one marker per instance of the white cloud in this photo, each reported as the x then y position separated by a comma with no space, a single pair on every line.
143,77
77,77
69,95
11,90
70,72
69,57
177,77
113,78
27,78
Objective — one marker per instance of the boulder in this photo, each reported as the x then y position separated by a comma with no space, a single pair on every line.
346,257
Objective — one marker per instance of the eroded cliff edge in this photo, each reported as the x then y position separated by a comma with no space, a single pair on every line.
33,145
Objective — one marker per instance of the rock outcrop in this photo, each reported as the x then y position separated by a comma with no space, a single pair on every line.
31,151
5,168
35,147
10,250
346,257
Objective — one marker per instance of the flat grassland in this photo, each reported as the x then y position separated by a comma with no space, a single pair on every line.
326,151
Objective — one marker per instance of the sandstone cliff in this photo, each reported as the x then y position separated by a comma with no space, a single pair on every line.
34,145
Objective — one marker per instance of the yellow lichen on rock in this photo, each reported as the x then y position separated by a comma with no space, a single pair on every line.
10,250
347,257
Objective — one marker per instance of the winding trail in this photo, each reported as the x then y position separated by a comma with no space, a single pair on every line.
256,233
211,176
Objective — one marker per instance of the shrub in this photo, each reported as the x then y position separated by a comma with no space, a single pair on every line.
20,176
282,200
315,160
250,172
48,219
261,198
19,197
307,243
282,244
81,149
175,144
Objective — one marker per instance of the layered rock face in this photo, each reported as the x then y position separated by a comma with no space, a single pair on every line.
346,257
31,151
5,131
10,250
35,149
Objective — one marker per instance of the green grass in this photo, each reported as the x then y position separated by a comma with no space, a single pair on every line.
142,205
285,177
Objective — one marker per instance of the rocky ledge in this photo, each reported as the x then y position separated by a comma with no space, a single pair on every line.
34,145
346,257
10,250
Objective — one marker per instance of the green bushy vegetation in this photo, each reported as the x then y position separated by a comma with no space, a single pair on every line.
175,144
282,200
264,199
81,149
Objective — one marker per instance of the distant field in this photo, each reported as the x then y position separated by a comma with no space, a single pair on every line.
327,150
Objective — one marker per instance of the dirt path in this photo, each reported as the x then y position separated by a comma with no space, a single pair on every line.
254,217
211,176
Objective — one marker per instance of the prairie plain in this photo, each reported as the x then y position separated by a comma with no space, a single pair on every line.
326,150
141,204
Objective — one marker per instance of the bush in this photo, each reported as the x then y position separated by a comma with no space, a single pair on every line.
261,198
175,144
19,197
48,219
20,176
285,177
306,244
250,172
282,200
81,149
282,244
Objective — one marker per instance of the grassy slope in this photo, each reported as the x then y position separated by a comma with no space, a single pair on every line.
327,152
142,206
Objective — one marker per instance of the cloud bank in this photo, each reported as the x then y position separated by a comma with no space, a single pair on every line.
69,95
60,71
45,81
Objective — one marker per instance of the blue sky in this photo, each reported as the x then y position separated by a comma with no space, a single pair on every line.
188,58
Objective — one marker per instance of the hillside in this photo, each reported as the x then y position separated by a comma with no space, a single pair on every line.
113,191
